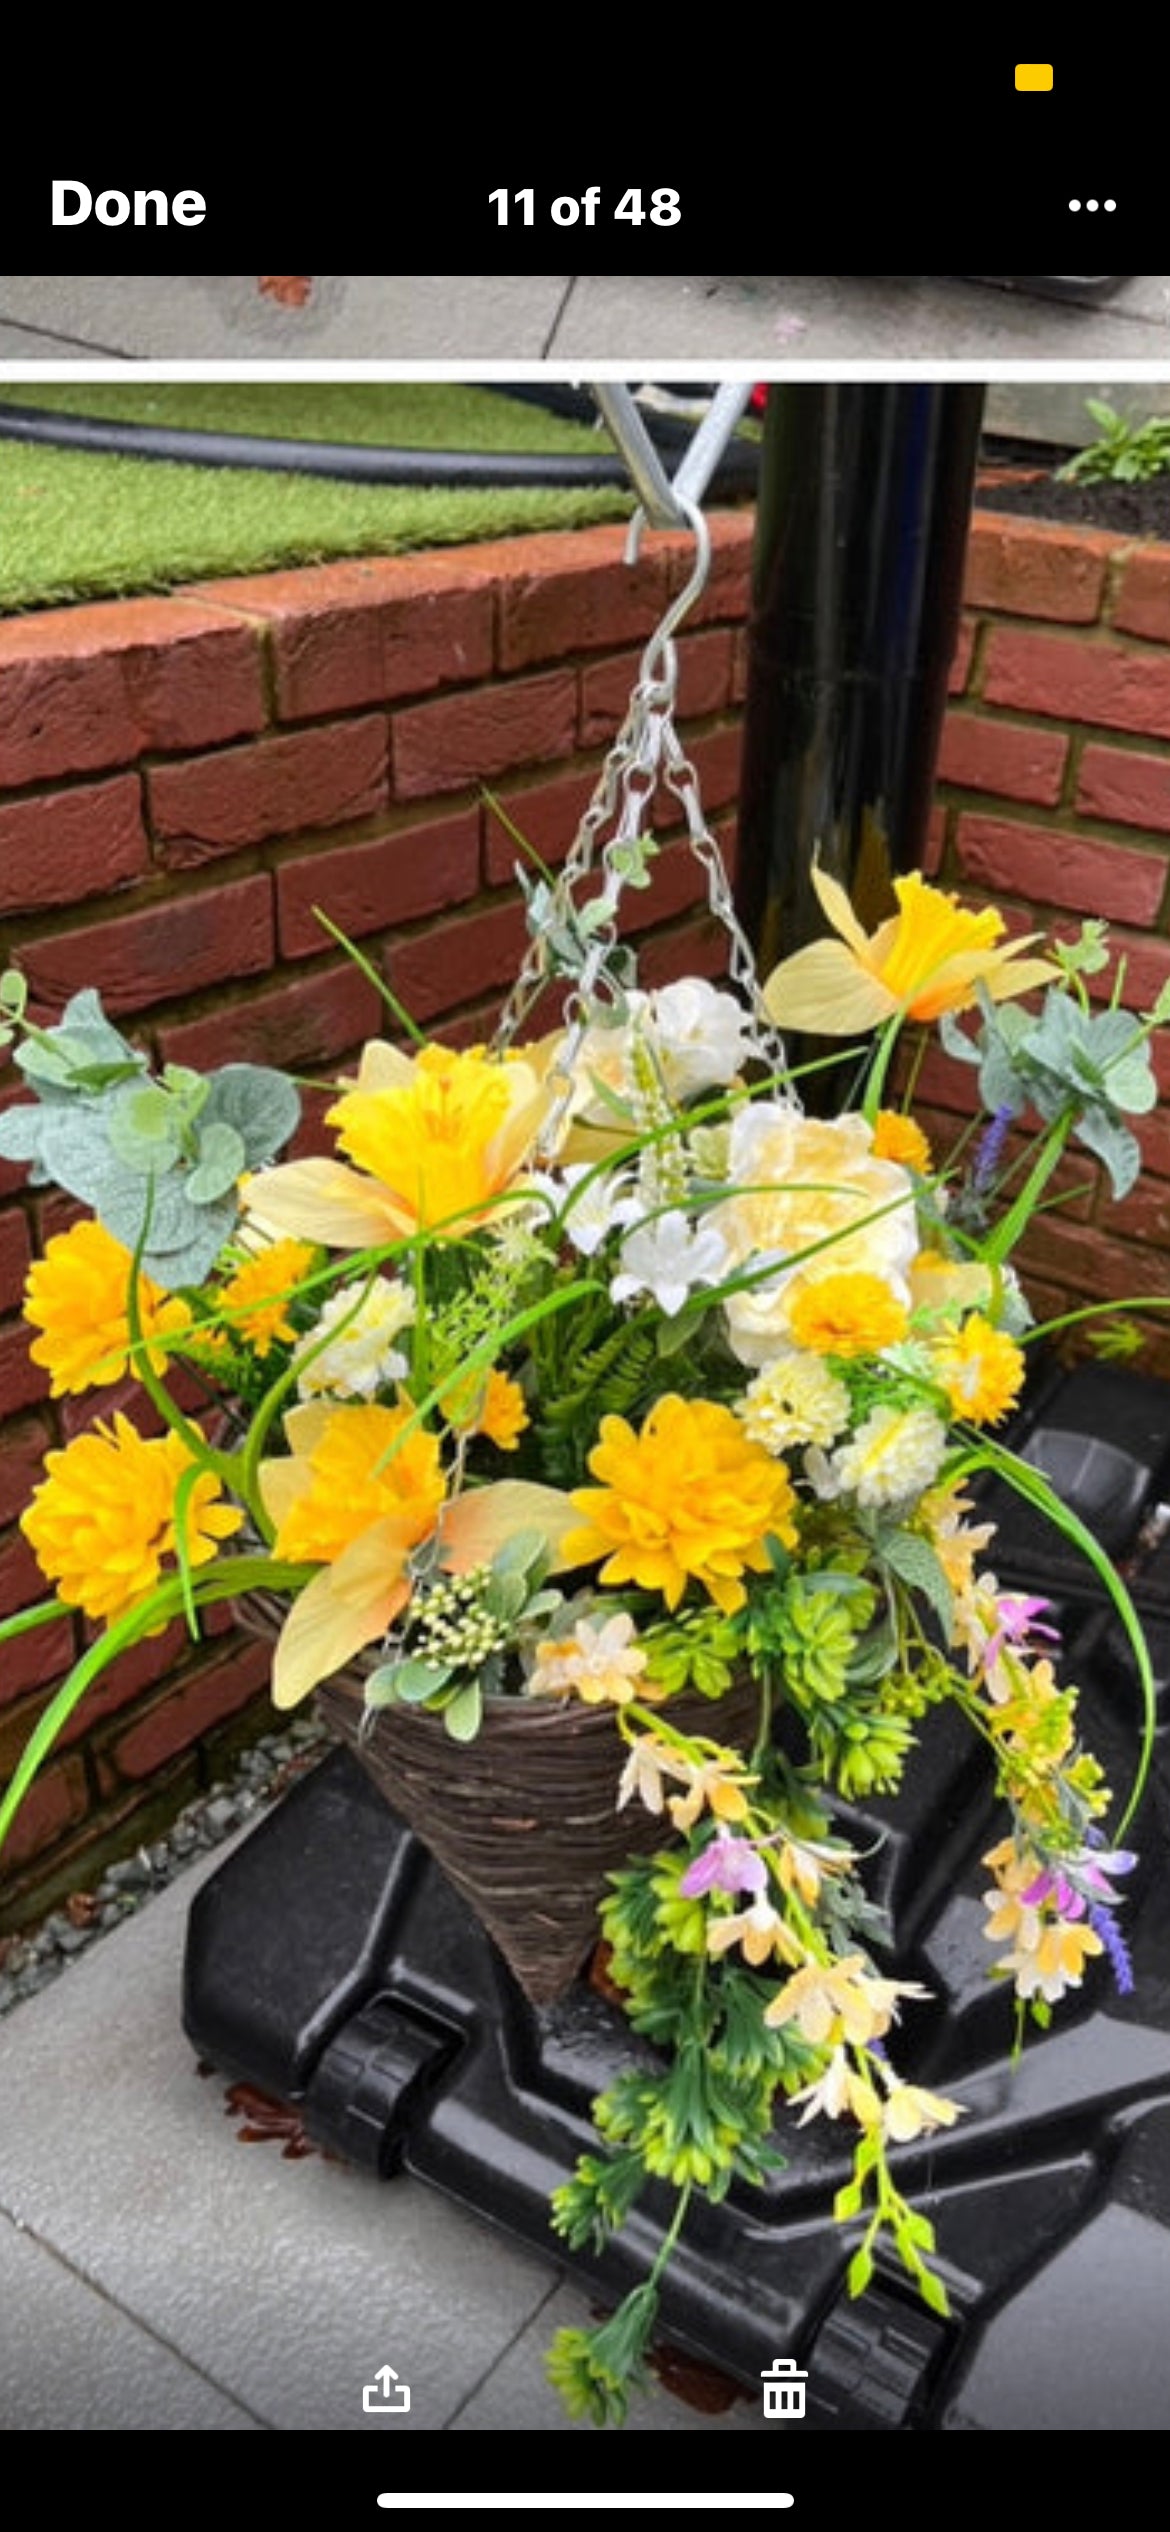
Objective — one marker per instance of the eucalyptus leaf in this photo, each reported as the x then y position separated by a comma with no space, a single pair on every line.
520,1554
184,1239
21,1129
261,1104
222,1159
1114,1145
406,1683
142,1128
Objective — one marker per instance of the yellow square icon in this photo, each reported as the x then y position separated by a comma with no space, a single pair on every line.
1033,74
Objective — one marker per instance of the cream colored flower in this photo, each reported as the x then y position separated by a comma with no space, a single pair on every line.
839,2000
360,1355
895,1455
603,1665
809,1193
794,1400
840,2092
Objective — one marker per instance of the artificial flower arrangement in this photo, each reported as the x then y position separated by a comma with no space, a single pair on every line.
596,1375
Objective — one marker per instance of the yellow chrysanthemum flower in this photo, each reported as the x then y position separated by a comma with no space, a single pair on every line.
898,1138
259,1294
846,1314
493,1407
689,1497
503,1417
103,1520
929,957
77,1295
352,1467
981,1370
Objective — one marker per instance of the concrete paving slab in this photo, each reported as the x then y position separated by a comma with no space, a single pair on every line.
286,2284
179,2273
69,2359
221,317
28,343
814,318
765,320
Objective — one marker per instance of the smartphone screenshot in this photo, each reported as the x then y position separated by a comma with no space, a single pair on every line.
584,1197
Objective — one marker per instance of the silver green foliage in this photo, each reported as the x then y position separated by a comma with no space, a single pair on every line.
1066,1061
150,1155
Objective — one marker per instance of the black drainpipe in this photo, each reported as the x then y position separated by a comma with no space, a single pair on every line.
863,508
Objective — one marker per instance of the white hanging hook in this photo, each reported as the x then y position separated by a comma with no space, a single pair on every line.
658,656
672,503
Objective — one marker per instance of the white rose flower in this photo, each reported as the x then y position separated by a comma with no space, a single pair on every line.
808,1193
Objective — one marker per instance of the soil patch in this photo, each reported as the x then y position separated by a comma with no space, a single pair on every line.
1139,510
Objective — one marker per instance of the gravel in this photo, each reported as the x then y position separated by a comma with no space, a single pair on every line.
32,1960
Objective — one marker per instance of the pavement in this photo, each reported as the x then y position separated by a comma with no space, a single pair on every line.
162,2269
772,322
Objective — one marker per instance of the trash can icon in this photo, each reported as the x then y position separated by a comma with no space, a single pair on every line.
784,2385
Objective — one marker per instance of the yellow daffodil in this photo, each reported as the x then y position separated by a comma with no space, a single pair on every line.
436,1137
926,959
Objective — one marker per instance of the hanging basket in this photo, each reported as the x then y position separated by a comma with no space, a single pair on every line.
523,1820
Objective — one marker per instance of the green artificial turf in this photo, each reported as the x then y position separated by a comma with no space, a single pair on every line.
76,526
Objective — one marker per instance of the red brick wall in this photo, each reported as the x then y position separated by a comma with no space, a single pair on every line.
1054,802
183,778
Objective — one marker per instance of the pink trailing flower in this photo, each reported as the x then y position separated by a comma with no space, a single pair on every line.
726,1863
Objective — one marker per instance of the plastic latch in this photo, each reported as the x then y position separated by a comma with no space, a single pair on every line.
370,2082
873,2361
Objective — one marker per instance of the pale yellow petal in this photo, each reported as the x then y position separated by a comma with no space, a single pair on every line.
838,906
307,1424
346,1606
476,1524
822,989
282,1482
322,1200
384,1067
1023,976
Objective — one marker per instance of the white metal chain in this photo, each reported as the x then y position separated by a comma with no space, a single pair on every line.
646,753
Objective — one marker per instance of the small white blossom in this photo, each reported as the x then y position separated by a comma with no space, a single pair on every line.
603,1205
702,1036
362,1357
668,1257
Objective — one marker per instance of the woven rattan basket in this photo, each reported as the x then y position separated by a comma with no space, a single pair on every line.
523,1820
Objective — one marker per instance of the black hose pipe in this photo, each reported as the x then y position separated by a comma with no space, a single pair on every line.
352,463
